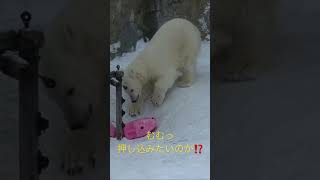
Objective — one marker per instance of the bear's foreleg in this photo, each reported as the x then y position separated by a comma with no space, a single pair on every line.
78,151
162,85
188,76
85,147
137,107
99,120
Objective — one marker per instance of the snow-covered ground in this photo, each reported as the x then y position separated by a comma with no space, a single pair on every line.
185,114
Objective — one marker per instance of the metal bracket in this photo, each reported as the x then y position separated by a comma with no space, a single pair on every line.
116,80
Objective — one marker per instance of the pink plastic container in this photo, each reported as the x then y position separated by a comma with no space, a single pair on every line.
136,128
139,128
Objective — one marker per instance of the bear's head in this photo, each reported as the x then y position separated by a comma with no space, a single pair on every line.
132,83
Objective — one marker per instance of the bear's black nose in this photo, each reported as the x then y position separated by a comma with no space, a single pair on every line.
134,101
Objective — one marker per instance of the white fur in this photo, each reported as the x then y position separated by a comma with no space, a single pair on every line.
74,56
170,55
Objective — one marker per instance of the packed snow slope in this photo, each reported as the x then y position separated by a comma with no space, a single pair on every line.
185,114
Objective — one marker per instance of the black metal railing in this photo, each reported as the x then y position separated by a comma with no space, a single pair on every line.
22,64
116,80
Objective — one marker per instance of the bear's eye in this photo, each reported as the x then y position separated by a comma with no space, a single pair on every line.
131,90
125,87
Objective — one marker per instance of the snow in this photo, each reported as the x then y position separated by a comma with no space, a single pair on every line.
114,47
185,114
185,166
204,27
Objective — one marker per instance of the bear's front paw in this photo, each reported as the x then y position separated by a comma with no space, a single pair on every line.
157,97
135,109
78,153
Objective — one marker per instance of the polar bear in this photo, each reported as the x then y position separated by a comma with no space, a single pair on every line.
74,55
169,57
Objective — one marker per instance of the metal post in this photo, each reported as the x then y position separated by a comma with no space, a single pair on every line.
119,132
28,126
119,100
24,67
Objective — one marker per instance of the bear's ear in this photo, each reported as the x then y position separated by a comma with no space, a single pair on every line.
139,76
131,73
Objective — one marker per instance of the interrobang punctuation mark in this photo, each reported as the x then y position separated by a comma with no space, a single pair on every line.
196,148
